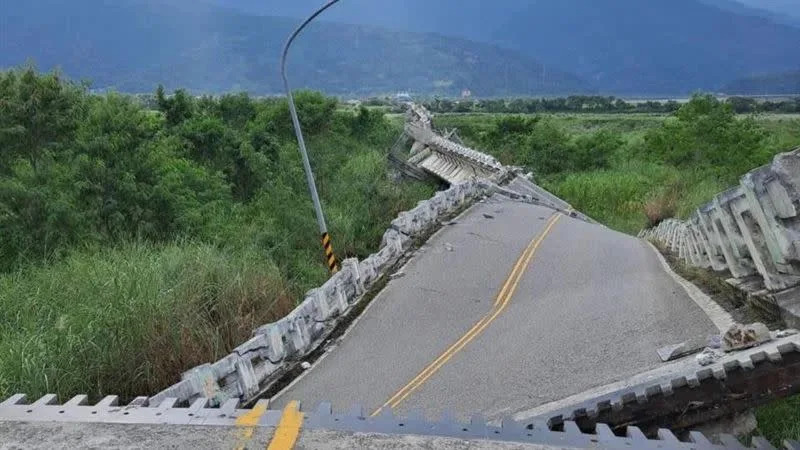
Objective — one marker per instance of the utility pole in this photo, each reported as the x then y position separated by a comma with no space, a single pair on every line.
330,257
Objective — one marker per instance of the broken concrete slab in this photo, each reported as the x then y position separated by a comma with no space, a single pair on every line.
670,352
740,337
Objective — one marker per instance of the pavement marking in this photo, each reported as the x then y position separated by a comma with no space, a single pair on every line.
288,428
246,424
500,304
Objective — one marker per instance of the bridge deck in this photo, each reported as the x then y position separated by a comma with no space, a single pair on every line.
591,307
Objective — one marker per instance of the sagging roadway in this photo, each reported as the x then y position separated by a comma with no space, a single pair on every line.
509,307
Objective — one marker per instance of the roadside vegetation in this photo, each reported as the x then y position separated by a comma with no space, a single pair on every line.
633,170
136,243
593,104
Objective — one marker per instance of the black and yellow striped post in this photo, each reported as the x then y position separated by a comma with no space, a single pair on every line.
330,258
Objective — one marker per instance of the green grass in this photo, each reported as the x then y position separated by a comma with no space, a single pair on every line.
125,320
780,421
615,197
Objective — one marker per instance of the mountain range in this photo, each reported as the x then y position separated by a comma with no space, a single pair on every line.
621,46
363,47
134,45
787,83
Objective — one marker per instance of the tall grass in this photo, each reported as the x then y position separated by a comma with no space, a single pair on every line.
780,421
128,320
615,197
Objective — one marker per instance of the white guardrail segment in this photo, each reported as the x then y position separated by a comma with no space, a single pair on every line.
752,231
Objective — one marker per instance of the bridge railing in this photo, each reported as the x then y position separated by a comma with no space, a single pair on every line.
751,231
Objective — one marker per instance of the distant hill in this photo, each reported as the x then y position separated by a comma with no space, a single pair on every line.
790,8
623,46
758,8
133,45
780,83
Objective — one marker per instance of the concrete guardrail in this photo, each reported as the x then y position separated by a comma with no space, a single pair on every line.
752,232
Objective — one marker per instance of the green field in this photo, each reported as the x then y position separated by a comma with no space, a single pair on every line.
616,166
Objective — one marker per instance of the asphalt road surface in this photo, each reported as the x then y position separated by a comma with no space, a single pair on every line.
513,306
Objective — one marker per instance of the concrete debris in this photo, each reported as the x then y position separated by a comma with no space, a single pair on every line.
739,337
715,341
671,352
785,333
488,216
305,365
707,357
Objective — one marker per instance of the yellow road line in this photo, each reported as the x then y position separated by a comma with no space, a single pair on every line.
246,424
503,298
288,428
500,297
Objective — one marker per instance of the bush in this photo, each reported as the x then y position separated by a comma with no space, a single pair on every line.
662,207
706,133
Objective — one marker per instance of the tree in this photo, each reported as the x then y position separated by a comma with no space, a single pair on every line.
38,114
706,133
177,108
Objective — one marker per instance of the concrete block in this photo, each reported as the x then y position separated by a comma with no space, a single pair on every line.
202,382
671,352
299,334
248,382
398,240
740,337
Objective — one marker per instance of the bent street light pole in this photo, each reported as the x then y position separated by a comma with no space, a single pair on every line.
330,258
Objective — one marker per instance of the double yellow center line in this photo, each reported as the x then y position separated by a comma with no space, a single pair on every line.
285,435
500,304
